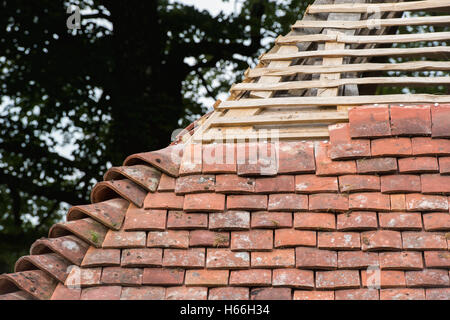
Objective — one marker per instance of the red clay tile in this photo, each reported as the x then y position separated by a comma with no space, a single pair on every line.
313,295
337,279
229,220
310,183
164,201
313,258
296,157
357,259
381,240
396,147
191,258
314,221
69,247
328,202
398,202
441,124
271,220
101,258
271,294
338,240
207,278
427,278
357,294
424,241
342,146
435,184
400,183
181,220
191,162
400,220
244,202
410,120
145,176
425,146
278,184
166,183
357,220
327,167
375,278
229,293
124,239
195,184
143,293
227,259
83,277
141,257
167,160
369,201
437,259
277,258
418,165
102,293
405,260
295,278
163,277
168,239
36,283
206,238
125,188
187,293
231,183
438,294
256,159
402,294
291,238
64,293
444,165
52,263
437,221
251,278
144,220
288,202
204,202
376,165
421,202
122,276
369,122
219,158
359,183
252,240
86,229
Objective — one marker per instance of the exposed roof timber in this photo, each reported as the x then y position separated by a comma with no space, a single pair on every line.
379,7
328,101
372,23
396,38
360,67
358,53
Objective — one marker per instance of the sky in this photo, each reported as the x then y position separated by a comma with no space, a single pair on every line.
214,6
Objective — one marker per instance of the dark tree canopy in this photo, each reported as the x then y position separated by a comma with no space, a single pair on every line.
106,92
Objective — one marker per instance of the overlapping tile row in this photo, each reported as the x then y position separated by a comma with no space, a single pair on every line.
363,216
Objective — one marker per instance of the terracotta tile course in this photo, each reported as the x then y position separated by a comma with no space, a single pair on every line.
271,294
427,278
163,277
206,238
369,122
101,257
313,258
168,239
145,220
288,202
398,202
375,278
441,124
426,146
251,278
296,157
410,120
313,295
376,165
418,165
141,257
295,278
166,183
400,220
143,293
359,183
252,240
372,201
400,183
292,238
122,239
327,167
402,294
444,165
250,202
208,278
229,293
421,202
310,183
271,220
122,276
424,241
438,294
405,260
315,221
227,259
337,279
436,221
435,184
229,220
357,220
164,200
181,220
219,158
191,258
101,293
391,147
231,183
195,184
277,258
204,202
278,184
437,259
339,240
328,202
357,259
357,294
187,293
343,146
381,240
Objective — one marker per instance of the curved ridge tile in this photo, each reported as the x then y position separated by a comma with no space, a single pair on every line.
34,282
69,247
110,213
52,263
125,188
167,160
17,295
87,229
145,176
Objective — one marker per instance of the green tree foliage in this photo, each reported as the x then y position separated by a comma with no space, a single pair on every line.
135,71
